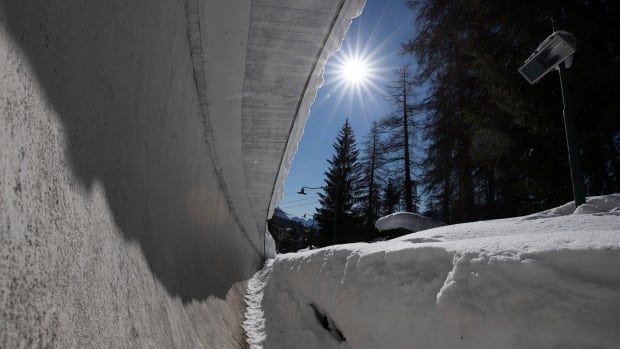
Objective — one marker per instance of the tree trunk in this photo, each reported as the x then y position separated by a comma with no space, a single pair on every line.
371,187
490,193
408,196
466,188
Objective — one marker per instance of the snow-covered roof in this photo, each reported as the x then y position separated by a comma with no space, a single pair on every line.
411,222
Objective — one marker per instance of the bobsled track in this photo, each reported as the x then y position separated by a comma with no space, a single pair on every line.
143,144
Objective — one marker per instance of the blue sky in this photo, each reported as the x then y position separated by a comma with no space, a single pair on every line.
375,36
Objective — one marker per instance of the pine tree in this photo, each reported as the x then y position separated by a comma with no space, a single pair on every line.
338,216
400,128
496,144
371,165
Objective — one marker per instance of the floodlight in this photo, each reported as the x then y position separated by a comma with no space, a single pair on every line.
556,49
302,191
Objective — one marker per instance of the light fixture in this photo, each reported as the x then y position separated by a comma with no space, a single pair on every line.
558,48
302,191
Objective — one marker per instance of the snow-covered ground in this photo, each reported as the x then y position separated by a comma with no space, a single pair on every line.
548,280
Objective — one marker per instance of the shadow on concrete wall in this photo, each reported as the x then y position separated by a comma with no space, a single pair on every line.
118,74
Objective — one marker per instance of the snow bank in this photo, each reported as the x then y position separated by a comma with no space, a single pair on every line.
406,220
549,280
594,204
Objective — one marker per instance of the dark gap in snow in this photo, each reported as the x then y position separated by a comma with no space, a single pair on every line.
422,240
327,323
321,317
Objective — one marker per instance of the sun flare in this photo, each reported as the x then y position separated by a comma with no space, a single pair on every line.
355,78
355,71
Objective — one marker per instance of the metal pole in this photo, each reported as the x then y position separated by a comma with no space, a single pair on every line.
571,143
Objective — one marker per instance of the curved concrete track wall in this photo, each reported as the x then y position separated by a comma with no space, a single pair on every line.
133,189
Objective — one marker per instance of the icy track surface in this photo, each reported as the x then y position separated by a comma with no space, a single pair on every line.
548,280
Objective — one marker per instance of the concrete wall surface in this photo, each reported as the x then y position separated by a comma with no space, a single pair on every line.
125,218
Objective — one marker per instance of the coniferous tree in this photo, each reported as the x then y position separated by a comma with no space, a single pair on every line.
372,162
400,129
338,217
496,145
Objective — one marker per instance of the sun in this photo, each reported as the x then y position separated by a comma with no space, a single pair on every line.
354,79
354,71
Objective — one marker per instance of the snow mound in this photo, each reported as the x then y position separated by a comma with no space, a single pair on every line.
549,280
594,204
406,220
